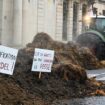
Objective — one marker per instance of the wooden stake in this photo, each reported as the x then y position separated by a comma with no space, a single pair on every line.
39,75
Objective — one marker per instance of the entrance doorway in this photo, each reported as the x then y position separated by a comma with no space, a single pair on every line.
84,12
75,17
65,15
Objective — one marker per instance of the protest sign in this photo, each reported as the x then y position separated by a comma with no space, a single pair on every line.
43,60
7,59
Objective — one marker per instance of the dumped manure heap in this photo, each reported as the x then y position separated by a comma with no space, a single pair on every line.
67,78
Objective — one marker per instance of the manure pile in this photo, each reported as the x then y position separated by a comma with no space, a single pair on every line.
67,78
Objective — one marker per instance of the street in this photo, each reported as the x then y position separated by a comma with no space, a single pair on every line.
99,74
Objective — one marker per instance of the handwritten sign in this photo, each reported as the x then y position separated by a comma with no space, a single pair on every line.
7,59
43,60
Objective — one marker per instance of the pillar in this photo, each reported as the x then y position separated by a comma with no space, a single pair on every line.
7,23
59,20
29,21
17,22
79,31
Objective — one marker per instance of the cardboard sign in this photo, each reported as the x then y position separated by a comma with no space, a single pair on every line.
7,59
43,60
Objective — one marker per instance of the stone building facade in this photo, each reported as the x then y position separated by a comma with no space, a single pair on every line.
21,20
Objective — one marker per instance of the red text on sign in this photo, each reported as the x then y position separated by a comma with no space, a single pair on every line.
4,66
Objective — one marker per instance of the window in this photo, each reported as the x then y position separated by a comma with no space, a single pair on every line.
104,12
103,1
94,11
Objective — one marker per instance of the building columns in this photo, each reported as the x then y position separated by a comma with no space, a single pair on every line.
59,20
79,27
17,22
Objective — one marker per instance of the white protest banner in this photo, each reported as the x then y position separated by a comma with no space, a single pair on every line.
7,59
43,60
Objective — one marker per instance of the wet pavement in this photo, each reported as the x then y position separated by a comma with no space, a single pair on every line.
99,100
82,101
99,74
